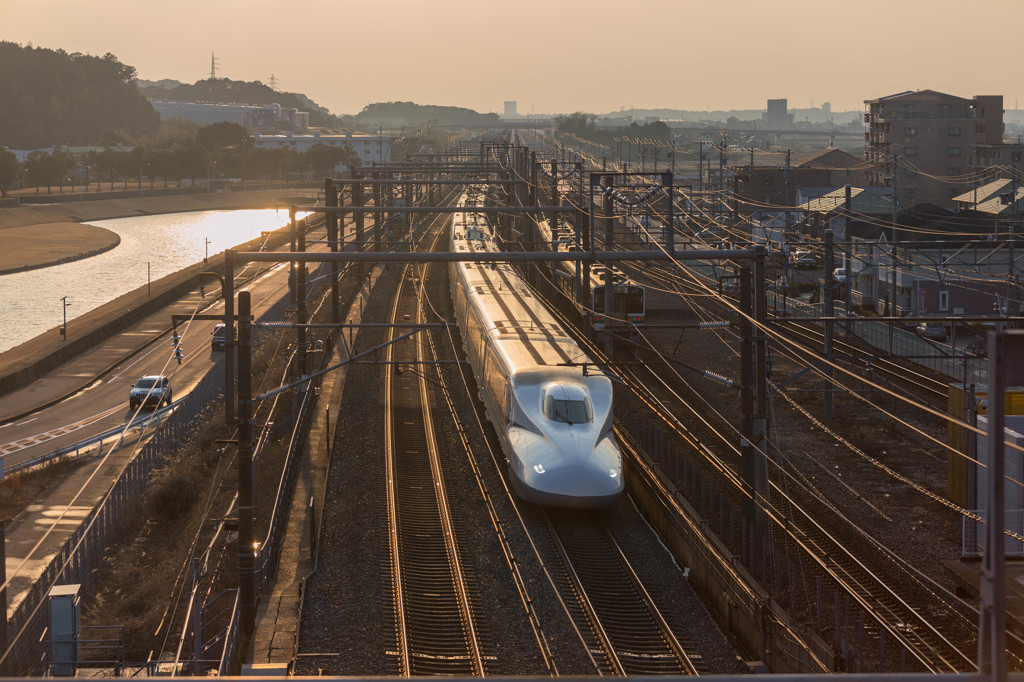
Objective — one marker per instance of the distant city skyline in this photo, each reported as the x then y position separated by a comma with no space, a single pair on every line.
551,57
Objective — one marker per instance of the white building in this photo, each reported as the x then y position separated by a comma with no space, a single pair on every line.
370,148
248,115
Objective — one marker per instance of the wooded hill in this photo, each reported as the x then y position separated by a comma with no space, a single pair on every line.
50,97
227,91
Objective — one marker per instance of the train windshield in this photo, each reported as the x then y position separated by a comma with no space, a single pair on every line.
567,404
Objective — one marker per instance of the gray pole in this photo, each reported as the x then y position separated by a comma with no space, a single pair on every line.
847,256
554,196
533,180
895,238
333,239
300,299
229,338
1005,368
357,200
246,507
829,324
747,451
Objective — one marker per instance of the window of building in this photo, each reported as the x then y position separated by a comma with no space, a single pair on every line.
944,110
943,301
953,191
953,170
910,151
953,151
1015,156
910,131
953,131
909,172
908,191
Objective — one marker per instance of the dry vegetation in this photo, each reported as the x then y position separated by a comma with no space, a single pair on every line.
145,580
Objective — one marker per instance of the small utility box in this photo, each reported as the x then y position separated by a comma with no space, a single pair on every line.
65,612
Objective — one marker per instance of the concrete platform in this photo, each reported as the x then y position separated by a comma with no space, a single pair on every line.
967,575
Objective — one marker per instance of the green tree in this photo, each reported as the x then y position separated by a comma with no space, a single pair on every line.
322,159
222,135
9,168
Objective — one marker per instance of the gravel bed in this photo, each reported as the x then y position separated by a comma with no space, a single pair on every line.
880,510
347,624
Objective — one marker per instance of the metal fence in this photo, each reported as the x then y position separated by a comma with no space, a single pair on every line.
893,339
973,534
116,436
83,551
826,610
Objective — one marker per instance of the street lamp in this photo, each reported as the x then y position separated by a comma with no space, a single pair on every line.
64,327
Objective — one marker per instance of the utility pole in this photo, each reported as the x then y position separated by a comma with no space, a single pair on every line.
700,168
721,161
331,199
895,239
830,395
748,437
246,505
357,202
847,256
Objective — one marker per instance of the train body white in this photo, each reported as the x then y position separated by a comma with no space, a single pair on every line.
552,413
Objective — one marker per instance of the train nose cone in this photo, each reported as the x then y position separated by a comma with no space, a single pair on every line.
582,475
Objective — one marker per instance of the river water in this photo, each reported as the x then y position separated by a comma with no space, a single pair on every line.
151,247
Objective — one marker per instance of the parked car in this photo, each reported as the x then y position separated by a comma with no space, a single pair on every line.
806,262
150,390
839,275
935,331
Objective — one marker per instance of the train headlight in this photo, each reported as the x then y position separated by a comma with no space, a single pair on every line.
539,468
613,473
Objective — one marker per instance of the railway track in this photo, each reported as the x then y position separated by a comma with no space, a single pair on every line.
628,634
904,623
811,336
435,628
909,626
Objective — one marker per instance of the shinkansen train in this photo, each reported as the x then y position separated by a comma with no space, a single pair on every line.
552,412
628,297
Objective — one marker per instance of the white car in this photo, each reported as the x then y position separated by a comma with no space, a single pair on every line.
839,275
150,390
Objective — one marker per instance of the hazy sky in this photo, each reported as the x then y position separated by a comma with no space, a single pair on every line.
553,55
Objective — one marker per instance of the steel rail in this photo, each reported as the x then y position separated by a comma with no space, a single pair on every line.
428,581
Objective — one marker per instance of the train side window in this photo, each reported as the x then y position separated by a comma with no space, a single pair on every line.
497,380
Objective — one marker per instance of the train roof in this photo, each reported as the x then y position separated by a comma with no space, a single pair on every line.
528,334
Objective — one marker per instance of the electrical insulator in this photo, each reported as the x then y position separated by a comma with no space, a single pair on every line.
178,354
175,339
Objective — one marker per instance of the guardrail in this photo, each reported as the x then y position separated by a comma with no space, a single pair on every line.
115,433
83,551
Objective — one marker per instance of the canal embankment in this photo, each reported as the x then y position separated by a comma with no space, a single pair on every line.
28,361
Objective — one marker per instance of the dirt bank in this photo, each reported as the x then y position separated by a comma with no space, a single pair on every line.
37,246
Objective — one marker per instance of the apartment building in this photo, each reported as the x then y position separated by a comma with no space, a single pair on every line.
930,140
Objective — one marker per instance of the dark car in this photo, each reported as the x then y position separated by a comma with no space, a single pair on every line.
219,340
806,263
936,331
